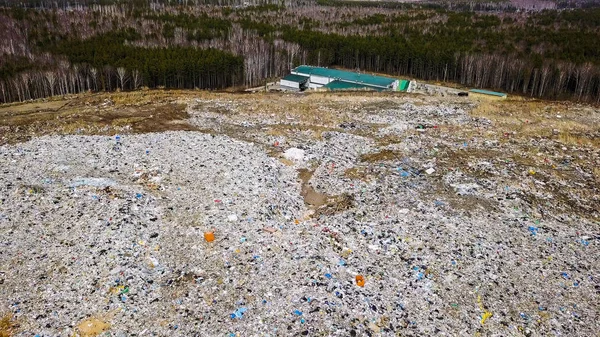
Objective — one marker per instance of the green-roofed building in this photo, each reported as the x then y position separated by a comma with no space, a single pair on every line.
319,77
303,77
480,93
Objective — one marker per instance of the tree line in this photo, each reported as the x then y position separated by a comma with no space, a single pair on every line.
550,54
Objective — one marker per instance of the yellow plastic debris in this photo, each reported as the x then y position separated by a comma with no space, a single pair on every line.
485,316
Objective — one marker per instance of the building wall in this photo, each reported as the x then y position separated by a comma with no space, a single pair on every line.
290,84
320,79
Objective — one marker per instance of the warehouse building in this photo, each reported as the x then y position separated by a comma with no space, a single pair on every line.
294,82
309,77
486,94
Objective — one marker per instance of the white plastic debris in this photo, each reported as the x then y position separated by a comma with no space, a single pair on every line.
294,154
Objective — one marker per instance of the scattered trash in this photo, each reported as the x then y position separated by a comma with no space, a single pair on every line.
428,240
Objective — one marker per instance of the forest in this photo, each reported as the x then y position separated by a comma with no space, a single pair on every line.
51,48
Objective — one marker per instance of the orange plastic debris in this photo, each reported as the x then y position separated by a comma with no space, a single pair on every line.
209,236
360,280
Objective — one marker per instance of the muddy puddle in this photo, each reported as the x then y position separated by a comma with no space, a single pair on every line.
311,197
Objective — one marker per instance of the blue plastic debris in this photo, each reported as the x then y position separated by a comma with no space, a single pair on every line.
328,275
565,275
138,195
297,312
342,262
239,313
420,276
302,321
583,242
575,284
533,230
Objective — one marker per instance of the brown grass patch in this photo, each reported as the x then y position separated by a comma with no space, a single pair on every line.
7,326
358,173
138,112
539,118
384,155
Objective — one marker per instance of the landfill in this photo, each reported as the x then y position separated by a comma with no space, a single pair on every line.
310,215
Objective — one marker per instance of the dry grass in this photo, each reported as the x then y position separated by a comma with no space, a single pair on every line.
7,326
358,173
137,112
383,155
531,118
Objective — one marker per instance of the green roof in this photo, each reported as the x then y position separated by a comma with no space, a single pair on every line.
350,76
295,78
487,92
340,85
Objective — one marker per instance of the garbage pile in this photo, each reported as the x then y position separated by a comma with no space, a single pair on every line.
404,219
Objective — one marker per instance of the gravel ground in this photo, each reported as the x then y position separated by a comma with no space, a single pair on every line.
104,236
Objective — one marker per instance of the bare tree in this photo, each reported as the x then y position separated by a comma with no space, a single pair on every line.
51,78
137,79
122,74
94,74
